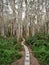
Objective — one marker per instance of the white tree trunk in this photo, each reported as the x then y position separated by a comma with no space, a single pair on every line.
26,20
2,19
12,3
19,31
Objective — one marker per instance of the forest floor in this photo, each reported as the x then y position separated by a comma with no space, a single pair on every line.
33,60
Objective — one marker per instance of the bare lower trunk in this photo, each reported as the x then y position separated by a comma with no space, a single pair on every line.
2,19
26,20
19,31
13,21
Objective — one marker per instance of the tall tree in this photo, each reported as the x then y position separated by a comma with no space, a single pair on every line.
12,4
26,20
47,15
2,19
19,33
32,15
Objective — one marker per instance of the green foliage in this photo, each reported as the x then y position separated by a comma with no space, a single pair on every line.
30,40
9,50
40,47
43,56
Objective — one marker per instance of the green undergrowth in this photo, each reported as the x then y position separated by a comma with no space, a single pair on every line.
10,50
40,47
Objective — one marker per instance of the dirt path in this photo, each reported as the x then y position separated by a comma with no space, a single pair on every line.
20,61
33,60
27,55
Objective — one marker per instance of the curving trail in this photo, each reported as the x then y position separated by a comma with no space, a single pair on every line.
28,58
27,55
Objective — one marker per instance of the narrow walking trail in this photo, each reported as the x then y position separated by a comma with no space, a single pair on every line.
27,55
33,59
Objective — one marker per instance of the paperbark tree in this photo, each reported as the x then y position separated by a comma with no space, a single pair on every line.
47,15
19,31
13,21
1,17
33,16
26,20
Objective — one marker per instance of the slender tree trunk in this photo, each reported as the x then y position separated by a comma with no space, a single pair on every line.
26,20
19,31
13,22
48,15
2,19
32,29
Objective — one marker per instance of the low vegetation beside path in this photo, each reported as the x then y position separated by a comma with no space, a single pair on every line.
9,50
40,47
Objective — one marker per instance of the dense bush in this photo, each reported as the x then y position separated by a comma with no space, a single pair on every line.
30,40
9,50
40,47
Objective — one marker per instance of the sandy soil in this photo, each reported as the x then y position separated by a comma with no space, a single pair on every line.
33,60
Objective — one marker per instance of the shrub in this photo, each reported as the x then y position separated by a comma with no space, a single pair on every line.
40,47
8,51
